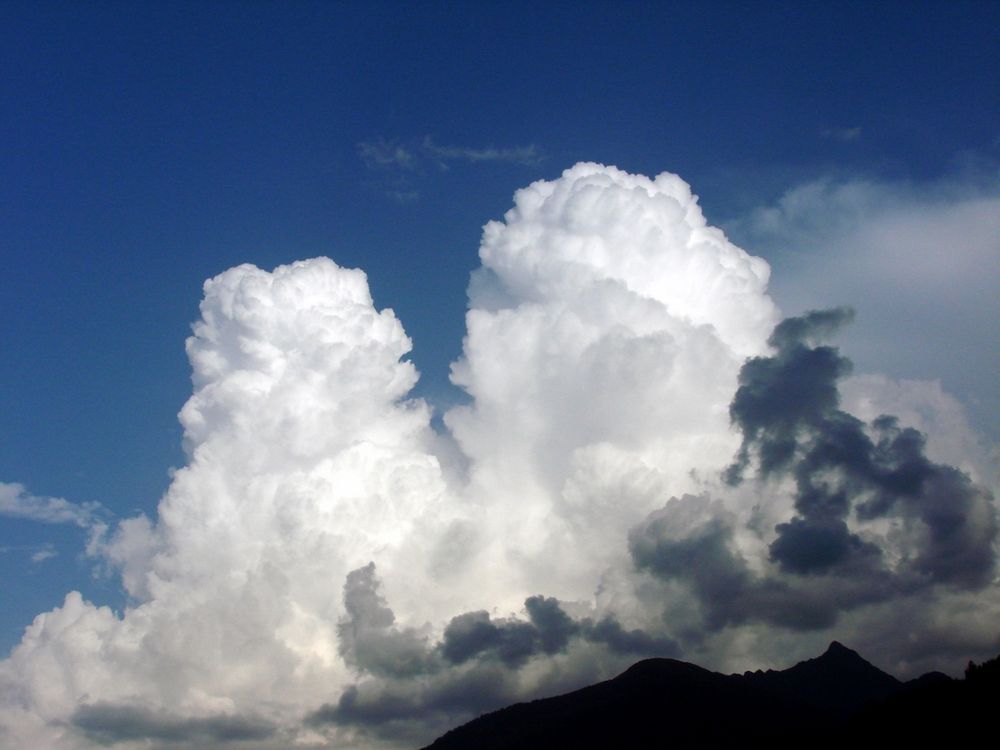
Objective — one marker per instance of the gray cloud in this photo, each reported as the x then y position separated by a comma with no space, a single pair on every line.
721,579
787,407
372,643
777,398
430,699
633,643
847,475
369,641
109,724
554,626
549,631
475,634
410,687
702,557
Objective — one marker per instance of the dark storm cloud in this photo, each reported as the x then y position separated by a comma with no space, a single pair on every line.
787,407
703,559
108,724
729,592
554,626
380,703
475,634
484,676
958,515
806,546
635,642
780,396
409,712
409,683
549,631
369,640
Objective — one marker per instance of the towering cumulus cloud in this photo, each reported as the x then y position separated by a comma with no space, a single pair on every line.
305,462
607,326
649,464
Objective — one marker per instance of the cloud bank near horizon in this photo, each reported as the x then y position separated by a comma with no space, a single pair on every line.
651,462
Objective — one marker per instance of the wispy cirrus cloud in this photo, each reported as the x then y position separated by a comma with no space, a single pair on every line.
37,553
43,552
399,164
382,153
844,135
529,154
17,502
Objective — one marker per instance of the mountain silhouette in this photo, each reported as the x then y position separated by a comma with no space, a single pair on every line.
839,682
664,703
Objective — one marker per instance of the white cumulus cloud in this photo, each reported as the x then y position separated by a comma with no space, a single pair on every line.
319,575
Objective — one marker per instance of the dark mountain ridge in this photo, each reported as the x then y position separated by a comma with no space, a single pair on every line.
839,681
664,703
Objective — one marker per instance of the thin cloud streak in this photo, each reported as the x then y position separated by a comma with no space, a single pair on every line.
399,166
17,502
844,135
526,155
381,153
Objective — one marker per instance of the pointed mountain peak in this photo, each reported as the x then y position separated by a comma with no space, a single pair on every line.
839,658
839,650
839,680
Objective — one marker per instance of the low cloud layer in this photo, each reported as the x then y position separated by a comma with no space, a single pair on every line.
650,462
412,685
113,724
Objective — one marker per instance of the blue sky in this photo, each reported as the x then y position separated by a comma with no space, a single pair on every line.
147,147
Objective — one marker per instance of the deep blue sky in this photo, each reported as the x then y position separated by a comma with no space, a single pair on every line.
145,147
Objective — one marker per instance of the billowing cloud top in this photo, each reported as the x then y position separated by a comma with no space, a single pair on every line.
600,226
606,329
328,571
